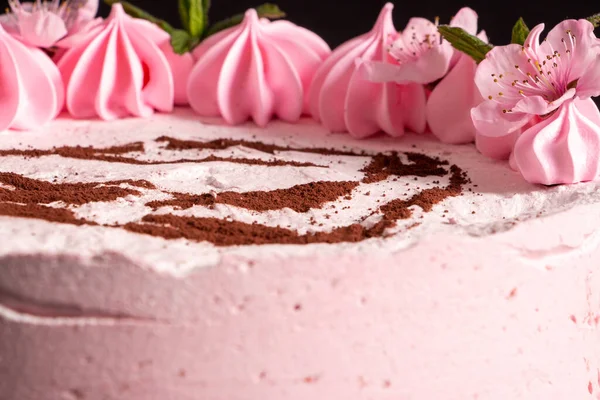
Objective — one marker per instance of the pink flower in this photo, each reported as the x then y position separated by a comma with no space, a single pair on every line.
417,56
421,55
343,101
44,23
449,104
524,87
424,58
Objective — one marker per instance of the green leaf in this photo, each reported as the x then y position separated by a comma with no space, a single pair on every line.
595,20
464,42
267,10
520,32
206,8
184,15
271,11
137,12
182,42
196,18
193,16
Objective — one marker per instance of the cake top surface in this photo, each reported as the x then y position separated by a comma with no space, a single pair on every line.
175,193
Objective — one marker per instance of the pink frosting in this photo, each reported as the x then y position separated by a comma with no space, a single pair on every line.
256,70
343,100
31,89
563,148
118,69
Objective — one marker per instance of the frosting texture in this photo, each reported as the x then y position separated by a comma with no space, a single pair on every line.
256,70
117,69
31,89
344,101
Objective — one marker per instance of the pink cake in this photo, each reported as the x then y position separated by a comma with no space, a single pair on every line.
172,259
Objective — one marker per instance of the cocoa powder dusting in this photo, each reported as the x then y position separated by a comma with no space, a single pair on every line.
27,198
221,144
299,198
383,166
116,154
32,191
35,211
228,233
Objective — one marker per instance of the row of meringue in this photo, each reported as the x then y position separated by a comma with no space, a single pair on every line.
257,70
384,80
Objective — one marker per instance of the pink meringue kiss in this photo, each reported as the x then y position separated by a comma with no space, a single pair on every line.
31,89
256,70
564,147
450,103
342,99
117,69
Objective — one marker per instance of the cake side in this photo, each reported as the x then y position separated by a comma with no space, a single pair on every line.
512,319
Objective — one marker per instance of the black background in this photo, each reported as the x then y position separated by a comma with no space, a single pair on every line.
339,20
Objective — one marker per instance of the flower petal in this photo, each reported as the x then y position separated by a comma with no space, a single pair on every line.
490,120
465,18
589,83
9,23
532,43
539,106
89,9
495,75
577,37
41,28
429,67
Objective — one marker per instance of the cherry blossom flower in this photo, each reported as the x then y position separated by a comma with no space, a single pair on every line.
543,91
423,57
44,23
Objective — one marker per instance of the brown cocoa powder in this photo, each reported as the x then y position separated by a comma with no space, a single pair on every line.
27,197
228,233
221,144
299,198
32,191
116,155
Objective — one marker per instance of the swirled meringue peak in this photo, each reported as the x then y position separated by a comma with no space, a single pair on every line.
563,148
256,70
118,70
31,90
343,100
